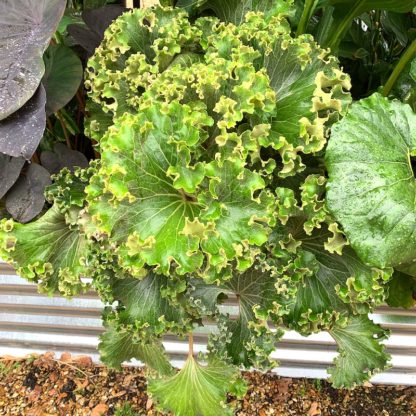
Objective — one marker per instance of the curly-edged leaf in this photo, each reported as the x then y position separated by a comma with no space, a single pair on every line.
234,11
10,168
372,186
196,390
248,339
62,78
26,27
25,200
361,352
144,210
117,346
97,20
310,91
47,251
402,291
21,132
145,308
333,285
142,200
62,157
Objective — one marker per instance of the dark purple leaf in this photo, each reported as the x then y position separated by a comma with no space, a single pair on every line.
21,132
26,27
97,21
10,168
63,76
62,157
26,199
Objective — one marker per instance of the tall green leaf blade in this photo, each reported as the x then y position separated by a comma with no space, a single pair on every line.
26,27
372,186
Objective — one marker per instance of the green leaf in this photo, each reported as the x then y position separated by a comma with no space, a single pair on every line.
361,353
347,10
310,91
26,27
196,390
247,340
118,345
143,193
146,308
402,291
47,251
234,11
372,186
63,76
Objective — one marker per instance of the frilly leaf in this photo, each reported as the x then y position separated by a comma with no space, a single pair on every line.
361,352
196,390
48,251
117,346
402,291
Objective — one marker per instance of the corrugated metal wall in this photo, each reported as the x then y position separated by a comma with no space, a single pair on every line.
30,322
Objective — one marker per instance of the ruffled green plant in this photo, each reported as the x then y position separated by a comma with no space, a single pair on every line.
211,185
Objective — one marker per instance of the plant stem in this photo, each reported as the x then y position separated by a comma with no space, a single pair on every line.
336,38
62,122
306,17
401,65
191,345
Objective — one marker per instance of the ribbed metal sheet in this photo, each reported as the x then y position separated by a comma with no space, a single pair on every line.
30,322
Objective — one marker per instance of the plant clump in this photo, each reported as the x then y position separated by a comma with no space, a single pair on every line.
211,185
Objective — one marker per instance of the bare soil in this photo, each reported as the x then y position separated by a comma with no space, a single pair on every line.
74,386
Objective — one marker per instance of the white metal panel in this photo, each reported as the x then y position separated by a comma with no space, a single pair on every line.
34,323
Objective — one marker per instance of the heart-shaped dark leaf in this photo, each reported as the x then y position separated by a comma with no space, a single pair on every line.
10,168
21,132
62,157
26,27
97,21
26,199
63,76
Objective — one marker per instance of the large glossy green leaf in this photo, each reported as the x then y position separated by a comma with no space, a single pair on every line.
63,76
196,390
26,27
372,185
47,251
361,352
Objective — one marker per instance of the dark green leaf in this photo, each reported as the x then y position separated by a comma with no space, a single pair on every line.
361,352
372,186
402,291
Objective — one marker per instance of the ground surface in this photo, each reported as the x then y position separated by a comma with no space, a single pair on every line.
69,386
